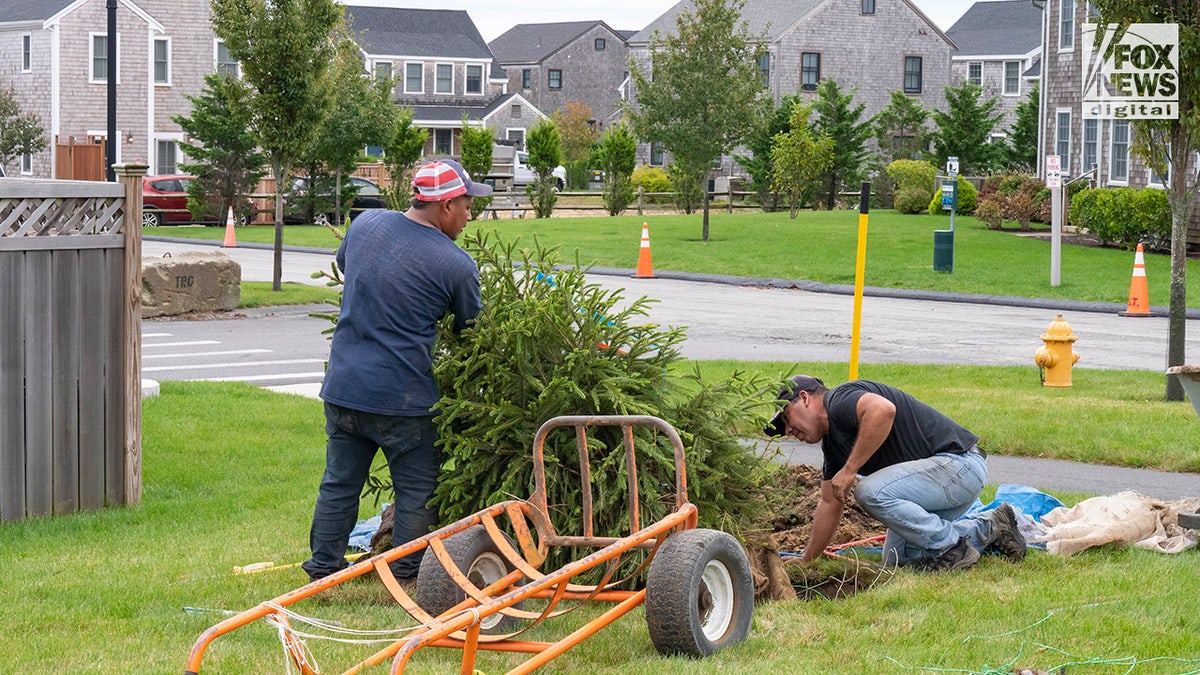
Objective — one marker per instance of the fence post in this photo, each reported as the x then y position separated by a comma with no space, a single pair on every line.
640,200
729,196
130,175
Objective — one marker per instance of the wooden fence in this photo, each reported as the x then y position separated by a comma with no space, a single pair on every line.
70,344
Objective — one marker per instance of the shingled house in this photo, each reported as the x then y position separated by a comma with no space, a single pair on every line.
999,48
578,61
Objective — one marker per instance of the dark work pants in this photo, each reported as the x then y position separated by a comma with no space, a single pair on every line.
408,445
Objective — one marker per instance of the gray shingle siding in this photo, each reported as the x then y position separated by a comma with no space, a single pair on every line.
993,34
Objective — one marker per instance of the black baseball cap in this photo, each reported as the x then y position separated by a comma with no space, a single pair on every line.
789,392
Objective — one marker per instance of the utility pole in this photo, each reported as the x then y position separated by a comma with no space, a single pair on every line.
110,143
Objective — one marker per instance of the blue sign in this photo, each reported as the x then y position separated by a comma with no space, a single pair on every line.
949,195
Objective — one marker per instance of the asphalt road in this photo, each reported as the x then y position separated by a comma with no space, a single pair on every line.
282,348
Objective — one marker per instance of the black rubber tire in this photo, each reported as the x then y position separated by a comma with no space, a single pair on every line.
475,554
699,593
1190,521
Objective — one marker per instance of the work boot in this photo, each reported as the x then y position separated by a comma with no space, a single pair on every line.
958,557
1006,538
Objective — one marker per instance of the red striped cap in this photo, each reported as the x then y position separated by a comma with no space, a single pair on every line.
445,179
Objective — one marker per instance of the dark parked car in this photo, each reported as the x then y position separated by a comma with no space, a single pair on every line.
164,200
319,209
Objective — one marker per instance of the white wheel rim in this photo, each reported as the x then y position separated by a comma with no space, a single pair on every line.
486,570
149,220
715,600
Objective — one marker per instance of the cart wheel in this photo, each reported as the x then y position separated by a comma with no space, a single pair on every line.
474,552
699,593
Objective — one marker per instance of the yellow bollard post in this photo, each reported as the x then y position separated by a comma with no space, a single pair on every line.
864,205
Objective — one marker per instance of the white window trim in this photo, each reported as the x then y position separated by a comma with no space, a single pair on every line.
1059,30
26,40
176,138
508,130
482,78
154,43
1004,82
26,164
217,64
405,85
1111,155
975,63
1065,158
91,62
435,82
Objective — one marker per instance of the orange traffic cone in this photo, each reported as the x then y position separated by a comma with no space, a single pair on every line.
1139,293
230,239
645,268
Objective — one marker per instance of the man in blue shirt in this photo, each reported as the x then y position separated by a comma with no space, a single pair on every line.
403,273
920,471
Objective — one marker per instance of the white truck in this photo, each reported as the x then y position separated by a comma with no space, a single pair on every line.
510,169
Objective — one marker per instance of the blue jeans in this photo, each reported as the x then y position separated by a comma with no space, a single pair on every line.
919,502
413,459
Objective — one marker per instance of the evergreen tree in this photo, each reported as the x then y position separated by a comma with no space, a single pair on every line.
616,155
758,162
1022,139
839,121
476,143
964,131
703,93
900,129
545,154
224,153
401,151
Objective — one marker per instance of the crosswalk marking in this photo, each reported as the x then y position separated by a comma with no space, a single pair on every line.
247,364
257,378
191,354
190,343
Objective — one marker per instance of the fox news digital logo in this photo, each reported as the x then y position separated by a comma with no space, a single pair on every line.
1131,73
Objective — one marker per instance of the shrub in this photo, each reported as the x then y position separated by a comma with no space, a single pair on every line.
914,177
967,195
689,193
911,201
652,179
991,212
1124,216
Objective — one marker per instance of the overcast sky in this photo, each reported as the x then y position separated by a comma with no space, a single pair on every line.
493,17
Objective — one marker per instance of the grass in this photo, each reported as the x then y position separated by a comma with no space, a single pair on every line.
820,246
260,294
230,474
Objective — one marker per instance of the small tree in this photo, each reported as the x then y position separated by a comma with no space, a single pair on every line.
224,153
703,93
20,133
686,182
401,152
285,49
799,157
1022,139
578,132
545,155
900,129
476,143
965,129
758,162
839,121
616,155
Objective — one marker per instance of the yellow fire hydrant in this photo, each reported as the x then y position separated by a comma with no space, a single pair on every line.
1057,356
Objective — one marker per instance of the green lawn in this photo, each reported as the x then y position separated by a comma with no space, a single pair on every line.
230,474
818,246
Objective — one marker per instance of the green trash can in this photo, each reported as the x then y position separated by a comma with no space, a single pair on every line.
943,250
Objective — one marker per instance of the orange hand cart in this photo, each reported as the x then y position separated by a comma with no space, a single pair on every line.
474,579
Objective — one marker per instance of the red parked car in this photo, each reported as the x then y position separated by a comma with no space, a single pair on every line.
164,200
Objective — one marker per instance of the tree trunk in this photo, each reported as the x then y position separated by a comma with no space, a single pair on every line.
832,201
337,199
1181,201
277,271
704,189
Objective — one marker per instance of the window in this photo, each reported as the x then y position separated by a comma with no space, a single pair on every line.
1066,25
656,153
601,44
26,164
474,79
810,70
868,6
975,73
526,78
226,64
1012,77
1118,169
517,135
1091,144
414,78
443,141
1155,177
374,151
555,80
162,61
165,163
445,79
912,74
1062,138
99,58
27,52
383,71
516,111
764,67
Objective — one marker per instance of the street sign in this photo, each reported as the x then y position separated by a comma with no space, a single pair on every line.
949,195
952,166
1053,172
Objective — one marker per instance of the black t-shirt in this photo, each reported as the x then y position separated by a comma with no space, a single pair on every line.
918,431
